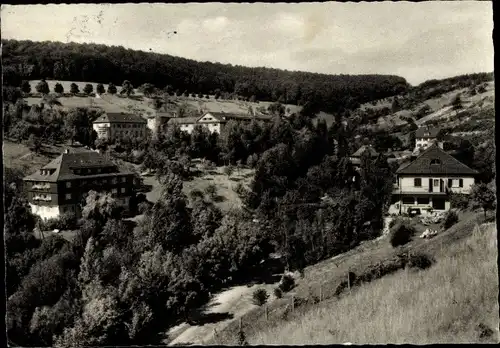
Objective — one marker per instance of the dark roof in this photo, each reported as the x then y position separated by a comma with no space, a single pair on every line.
119,117
223,115
447,164
183,120
426,132
165,114
362,149
66,162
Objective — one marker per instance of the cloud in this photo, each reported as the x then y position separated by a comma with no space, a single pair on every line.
216,24
415,40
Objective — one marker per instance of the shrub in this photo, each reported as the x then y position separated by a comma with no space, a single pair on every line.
401,233
196,194
459,201
210,190
287,283
259,297
450,219
278,293
420,261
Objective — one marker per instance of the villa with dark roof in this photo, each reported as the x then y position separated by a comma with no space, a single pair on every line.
355,158
425,136
59,186
115,125
214,121
424,184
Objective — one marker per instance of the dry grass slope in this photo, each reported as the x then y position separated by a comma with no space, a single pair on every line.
447,303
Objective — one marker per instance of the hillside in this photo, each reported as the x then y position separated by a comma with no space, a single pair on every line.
430,104
460,293
27,60
356,318
144,106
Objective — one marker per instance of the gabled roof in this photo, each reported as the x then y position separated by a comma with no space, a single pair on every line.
426,132
183,120
362,149
63,166
446,164
223,116
119,117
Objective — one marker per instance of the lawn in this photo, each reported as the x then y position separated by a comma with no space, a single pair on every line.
225,198
113,103
19,156
452,302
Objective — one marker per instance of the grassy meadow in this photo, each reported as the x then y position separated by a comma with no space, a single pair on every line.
454,301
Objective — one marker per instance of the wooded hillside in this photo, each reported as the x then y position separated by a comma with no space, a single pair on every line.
27,60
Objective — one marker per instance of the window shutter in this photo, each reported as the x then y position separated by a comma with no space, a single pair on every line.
450,181
461,182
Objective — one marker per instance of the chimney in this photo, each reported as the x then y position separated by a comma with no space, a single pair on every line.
66,150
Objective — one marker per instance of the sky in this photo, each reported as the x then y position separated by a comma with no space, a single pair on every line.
418,41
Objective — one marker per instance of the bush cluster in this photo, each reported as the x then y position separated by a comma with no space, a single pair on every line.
401,233
260,297
450,219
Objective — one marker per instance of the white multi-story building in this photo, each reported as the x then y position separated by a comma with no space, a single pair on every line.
213,121
115,125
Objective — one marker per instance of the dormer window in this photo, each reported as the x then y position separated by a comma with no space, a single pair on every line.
435,161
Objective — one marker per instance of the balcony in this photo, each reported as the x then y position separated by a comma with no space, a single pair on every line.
40,187
43,199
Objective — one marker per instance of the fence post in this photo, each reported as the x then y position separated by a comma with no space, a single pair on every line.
215,336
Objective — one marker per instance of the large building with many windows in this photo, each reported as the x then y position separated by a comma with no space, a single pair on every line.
59,186
214,121
116,125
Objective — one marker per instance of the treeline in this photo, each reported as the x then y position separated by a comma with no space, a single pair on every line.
54,125
27,60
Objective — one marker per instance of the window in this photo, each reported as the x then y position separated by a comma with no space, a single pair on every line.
124,179
408,200
123,189
68,184
417,182
68,196
436,182
114,190
435,161
114,181
422,200
460,182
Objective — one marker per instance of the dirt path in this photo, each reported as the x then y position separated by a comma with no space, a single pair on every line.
234,302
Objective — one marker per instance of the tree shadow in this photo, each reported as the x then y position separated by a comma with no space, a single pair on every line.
219,199
200,319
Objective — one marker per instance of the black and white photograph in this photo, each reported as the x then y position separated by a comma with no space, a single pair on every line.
315,173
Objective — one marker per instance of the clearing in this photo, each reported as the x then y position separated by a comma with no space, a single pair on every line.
142,105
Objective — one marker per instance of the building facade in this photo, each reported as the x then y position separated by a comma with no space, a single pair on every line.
213,121
424,185
113,126
425,137
157,122
59,187
355,158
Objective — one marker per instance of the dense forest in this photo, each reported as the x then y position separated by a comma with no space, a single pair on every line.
27,60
